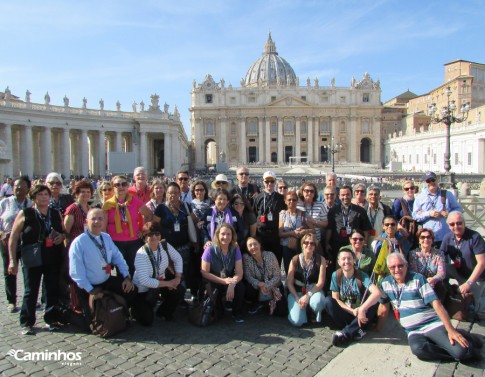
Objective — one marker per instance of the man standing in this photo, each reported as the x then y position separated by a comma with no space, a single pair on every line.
431,335
330,181
376,211
342,218
466,249
183,181
431,207
92,260
267,207
7,189
140,188
247,190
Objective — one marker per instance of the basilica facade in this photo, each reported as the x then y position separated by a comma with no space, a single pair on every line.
38,138
272,118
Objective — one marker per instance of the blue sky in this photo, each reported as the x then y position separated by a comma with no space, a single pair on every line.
127,50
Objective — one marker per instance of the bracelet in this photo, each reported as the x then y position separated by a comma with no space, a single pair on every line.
470,283
309,293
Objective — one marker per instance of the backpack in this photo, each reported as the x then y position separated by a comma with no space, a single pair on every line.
203,313
110,314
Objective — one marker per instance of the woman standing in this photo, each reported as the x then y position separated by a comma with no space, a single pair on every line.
121,220
364,259
359,195
292,227
429,262
75,215
9,208
58,201
262,280
247,216
40,224
201,201
157,194
315,212
222,266
306,277
153,271
105,192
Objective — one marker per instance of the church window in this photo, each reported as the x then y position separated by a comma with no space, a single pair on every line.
324,128
289,127
274,128
252,128
343,127
208,98
365,97
303,128
209,129
365,127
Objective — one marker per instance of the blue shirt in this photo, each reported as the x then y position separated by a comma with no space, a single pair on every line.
427,202
87,266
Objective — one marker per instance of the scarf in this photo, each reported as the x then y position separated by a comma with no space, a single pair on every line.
227,219
113,203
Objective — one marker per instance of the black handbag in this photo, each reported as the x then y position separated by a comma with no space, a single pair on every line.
31,255
204,312
154,293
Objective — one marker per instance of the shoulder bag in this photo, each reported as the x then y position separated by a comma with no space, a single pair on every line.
31,254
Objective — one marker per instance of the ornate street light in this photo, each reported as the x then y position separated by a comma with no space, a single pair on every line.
333,148
447,116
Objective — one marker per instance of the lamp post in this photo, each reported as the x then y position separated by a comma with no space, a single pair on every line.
447,116
333,149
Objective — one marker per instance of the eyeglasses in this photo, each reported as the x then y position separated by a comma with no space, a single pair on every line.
329,194
242,173
107,189
172,193
390,224
308,243
309,191
120,184
458,223
291,200
282,187
220,182
397,266
359,191
408,188
425,237
183,178
153,234
430,180
269,182
55,183
199,190
238,203
357,239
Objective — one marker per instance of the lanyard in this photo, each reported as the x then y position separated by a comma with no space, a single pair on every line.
19,206
224,260
408,206
348,287
270,202
307,270
101,248
291,223
122,208
56,204
263,271
346,215
373,218
155,263
433,202
45,219
398,294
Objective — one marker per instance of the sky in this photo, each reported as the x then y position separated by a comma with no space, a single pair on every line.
125,51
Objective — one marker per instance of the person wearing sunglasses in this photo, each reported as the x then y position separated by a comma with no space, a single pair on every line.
466,249
247,190
432,206
430,332
359,195
402,209
58,200
248,218
306,277
364,258
105,192
267,207
376,211
315,215
282,187
183,180
429,262
353,303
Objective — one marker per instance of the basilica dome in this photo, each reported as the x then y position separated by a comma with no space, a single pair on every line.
270,69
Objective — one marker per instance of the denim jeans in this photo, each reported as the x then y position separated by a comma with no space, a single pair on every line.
298,316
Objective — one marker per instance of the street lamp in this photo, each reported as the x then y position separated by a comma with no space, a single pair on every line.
333,149
447,116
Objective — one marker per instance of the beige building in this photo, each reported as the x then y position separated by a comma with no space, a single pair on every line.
271,117
36,139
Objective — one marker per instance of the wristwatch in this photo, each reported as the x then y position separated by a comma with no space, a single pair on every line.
470,283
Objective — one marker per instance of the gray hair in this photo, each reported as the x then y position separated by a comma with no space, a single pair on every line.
456,213
331,175
374,188
137,169
397,255
55,176
357,185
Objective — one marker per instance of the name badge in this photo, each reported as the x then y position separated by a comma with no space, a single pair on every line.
348,229
113,272
270,216
234,219
209,218
176,227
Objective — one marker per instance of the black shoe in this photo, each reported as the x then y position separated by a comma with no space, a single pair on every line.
255,308
27,330
340,340
238,319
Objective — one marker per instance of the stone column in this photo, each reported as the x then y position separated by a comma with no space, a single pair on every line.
28,167
118,142
316,138
297,137
267,151
375,125
281,157
243,153
168,155
84,153
47,150
309,140
66,154
101,153
260,155
353,147
9,150
223,136
143,149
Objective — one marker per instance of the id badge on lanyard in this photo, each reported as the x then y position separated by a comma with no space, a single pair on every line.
176,227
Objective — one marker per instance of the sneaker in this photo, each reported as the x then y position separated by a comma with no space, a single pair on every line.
340,340
27,330
53,327
255,308
238,319
11,308
360,334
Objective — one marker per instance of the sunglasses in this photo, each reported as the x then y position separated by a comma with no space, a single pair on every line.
430,180
243,173
269,182
183,178
458,223
54,183
408,188
397,266
308,243
390,224
282,187
329,194
425,237
357,239
153,234
120,184
309,191
291,200
107,189
220,182
359,191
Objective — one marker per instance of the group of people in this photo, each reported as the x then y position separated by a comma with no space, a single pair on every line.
344,252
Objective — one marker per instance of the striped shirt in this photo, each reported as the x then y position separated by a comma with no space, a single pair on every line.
318,212
413,301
